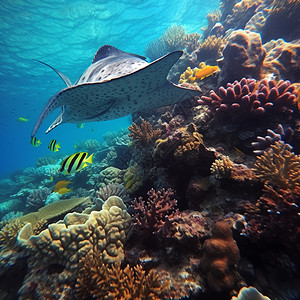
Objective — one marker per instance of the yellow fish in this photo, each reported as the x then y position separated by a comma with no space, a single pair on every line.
54,146
75,162
35,142
205,72
63,191
61,187
21,119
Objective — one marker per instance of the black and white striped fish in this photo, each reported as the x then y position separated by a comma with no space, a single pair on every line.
75,162
54,146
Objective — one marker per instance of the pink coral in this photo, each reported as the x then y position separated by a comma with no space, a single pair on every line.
249,97
155,214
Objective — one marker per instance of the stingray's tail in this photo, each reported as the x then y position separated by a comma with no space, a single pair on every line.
52,104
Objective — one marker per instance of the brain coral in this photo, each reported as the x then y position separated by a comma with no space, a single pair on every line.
243,55
65,243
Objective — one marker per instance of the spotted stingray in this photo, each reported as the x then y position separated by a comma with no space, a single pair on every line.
116,84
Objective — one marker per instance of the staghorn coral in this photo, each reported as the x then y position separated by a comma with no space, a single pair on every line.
210,50
250,98
222,168
243,56
144,134
155,214
192,41
283,59
279,167
220,257
37,197
279,134
79,235
101,281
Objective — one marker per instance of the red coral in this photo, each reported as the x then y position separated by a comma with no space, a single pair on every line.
155,214
249,98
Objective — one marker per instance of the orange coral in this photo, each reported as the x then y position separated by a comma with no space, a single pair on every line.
220,256
143,134
112,282
279,167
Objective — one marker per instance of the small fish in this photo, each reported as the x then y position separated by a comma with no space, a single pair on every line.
21,119
63,191
51,178
75,146
35,142
61,187
75,162
54,146
80,125
205,72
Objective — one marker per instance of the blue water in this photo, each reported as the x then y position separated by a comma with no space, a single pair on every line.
66,35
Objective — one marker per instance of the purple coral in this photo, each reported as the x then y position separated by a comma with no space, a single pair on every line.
249,97
37,197
154,215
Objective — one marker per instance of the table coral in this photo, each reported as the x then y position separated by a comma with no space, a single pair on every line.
143,134
243,56
102,281
220,257
79,235
153,215
279,167
249,98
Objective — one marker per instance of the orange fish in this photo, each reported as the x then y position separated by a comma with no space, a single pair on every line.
61,187
205,72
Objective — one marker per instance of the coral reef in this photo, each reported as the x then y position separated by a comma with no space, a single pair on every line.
155,214
220,256
110,175
243,56
79,235
222,168
37,197
112,189
212,18
143,134
101,281
210,50
250,293
279,167
250,98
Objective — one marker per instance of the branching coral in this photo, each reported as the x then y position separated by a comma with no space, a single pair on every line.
220,257
243,56
222,168
8,234
279,167
249,98
101,281
192,42
143,134
154,215
210,50
212,18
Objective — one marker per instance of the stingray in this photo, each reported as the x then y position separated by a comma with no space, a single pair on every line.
116,84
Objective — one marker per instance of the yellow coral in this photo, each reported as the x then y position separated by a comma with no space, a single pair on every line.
189,75
279,167
222,168
101,281
133,178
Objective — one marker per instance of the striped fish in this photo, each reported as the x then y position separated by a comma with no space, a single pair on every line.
53,146
75,162
35,142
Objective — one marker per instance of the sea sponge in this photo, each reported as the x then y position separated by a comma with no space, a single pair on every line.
243,56
79,235
279,167
220,257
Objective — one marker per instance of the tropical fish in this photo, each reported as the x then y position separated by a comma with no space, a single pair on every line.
116,84
21,119
75,162
35,142
80,125
54,146
61,187
205,72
